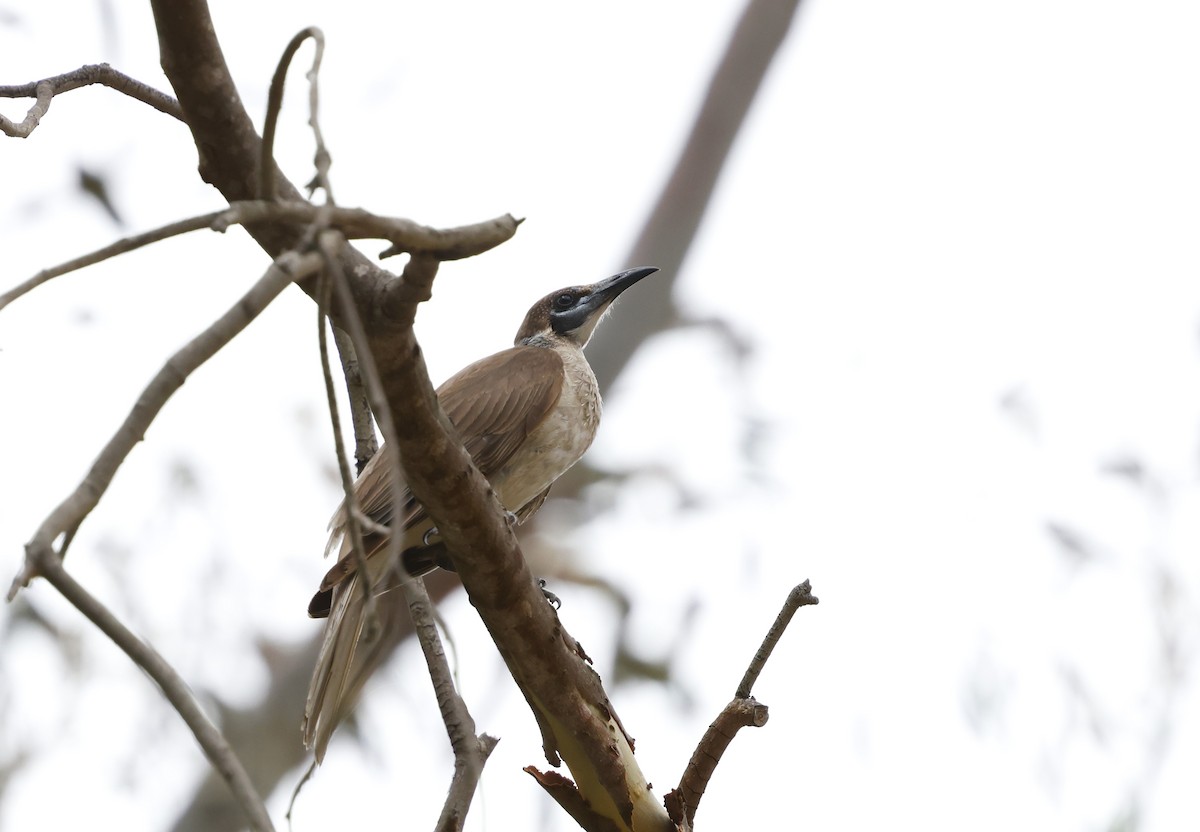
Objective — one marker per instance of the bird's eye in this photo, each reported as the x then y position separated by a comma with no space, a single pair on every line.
564,301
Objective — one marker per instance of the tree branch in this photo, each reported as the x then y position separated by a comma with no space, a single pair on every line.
174,688
547,664
743,710
45,90
355,223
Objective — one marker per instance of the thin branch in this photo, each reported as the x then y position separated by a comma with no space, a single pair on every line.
366,443
353,524
800,596
354,223
460,725
742,711
46,89
72,511
470,751
174,688
266,171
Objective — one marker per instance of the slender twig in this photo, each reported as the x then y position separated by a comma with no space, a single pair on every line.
266,170
174,688
743,710
366,443
47,88
470,751
354,223
71,512
330,275
800,596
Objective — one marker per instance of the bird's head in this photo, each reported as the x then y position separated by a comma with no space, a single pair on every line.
573,313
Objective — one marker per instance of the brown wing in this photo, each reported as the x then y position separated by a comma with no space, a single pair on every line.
493,404
496,402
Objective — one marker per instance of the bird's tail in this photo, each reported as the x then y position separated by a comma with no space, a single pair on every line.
350,653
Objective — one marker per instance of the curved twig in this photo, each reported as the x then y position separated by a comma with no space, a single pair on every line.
266,170
47,88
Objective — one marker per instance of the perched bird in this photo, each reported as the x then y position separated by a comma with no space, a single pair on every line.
525,415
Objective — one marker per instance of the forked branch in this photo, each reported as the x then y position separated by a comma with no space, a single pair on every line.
743,710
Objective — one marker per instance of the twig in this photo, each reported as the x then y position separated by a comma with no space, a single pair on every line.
174,688
46,89
266,170
742,711
468,752
71,512
800,596
331,274
354,223
366,443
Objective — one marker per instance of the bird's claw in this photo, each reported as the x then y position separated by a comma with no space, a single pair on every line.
550,596
433,532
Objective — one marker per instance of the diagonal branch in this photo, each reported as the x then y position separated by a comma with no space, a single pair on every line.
224,761
577,719
742,711
41,558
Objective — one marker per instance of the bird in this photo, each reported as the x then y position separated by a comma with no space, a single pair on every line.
525,415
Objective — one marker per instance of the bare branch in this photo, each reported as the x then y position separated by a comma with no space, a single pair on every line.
354,223
266,172
742,711
800,596
264,734
366,444
46,89
47,564
65,519
353,515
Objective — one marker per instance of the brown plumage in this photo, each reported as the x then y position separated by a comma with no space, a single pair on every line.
525,415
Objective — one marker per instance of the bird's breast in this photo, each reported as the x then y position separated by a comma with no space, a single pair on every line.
558,442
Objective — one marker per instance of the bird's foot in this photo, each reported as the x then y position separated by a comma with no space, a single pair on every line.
429,535
550,596
511,517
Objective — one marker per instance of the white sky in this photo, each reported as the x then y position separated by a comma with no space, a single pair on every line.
934,206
